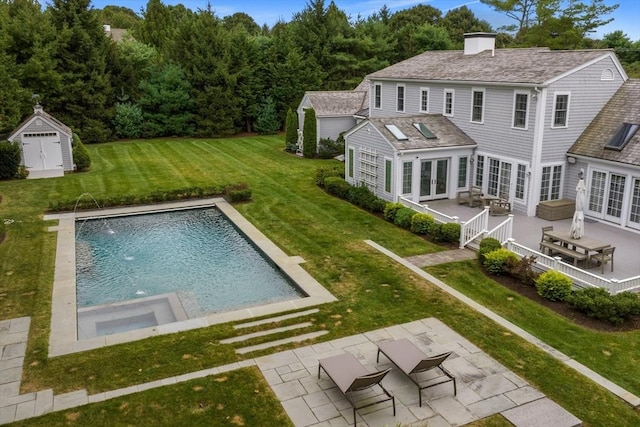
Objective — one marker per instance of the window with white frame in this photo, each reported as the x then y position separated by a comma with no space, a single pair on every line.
520,107
387,175
407,177
350,164
477,108
520,181
462,172
499,178
550,183
368,164
377,98
448,102
424,100
400,98
560,110
479,171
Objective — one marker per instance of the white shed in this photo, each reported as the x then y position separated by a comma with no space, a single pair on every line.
45,143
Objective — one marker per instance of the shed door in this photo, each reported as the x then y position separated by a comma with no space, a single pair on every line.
42,151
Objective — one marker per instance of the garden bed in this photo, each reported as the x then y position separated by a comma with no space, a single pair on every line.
563,308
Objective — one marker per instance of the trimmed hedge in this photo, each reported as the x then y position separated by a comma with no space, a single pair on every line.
600,304
325,172
403,217
421,223
363,197
553,285
9,159
496,261
391,210
487,245
238,193
337,186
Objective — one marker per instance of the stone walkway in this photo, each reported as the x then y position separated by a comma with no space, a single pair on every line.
442,257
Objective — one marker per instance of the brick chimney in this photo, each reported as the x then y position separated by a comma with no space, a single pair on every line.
478,42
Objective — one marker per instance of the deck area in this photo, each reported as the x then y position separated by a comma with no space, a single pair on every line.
527,232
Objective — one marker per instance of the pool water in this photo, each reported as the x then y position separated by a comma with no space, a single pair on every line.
196,253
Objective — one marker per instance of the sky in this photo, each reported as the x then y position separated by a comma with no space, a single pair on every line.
626,17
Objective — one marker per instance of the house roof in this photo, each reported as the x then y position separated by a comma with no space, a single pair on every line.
39,112
446,133
623,107
528,66
336,103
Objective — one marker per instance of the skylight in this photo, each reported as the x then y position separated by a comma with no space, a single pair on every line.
623,135
396,132
425,131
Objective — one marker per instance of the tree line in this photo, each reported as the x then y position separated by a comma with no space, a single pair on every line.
179,72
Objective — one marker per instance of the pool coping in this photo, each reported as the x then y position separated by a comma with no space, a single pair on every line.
63,338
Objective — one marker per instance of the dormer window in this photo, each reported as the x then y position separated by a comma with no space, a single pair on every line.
623,135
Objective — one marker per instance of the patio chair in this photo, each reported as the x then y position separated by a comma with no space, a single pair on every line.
350,376
545,240
471,197
604,257
412,361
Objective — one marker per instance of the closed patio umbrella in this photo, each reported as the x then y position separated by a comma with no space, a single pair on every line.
577,225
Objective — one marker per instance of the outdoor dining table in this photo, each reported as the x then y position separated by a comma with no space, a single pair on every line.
589,245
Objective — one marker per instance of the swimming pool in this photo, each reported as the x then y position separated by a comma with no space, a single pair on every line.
75,328
196,253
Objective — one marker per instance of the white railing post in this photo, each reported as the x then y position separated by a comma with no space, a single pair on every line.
456,219
510,241
463,234
556,263
485,218
510,227
614,286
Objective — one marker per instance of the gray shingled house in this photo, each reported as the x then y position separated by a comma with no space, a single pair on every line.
45,143
336,111
523,109
609,154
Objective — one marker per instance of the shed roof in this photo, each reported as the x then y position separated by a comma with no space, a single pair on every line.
527,66
337,103
446,133
623,107
39,112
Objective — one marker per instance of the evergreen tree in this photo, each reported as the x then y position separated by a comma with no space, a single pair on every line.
157,28
128,121
84,99
291,131
462,20
267,122
166,103
309,134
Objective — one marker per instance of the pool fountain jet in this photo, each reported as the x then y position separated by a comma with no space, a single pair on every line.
75,208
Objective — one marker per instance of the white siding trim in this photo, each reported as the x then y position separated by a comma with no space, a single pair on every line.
513,110
538,136
484,102
423,90
553,111
444,102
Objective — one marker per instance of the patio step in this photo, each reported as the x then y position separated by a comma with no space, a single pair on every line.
276,319
247,337
283,341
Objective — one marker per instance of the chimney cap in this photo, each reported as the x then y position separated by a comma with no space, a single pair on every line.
479,34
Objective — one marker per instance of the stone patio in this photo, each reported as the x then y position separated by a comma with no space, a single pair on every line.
485,387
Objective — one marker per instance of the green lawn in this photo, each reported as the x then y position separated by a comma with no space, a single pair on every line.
328,233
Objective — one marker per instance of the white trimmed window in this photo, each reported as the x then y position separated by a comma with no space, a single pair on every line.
368,163
377,98
477,106
400,89
551,182
448,102
388,175
520,181
560,110
520,109
424,100
462,172
407,177
479,171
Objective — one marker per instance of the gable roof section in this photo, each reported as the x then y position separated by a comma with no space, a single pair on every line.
447,135
336,103
623,107
39,113
534,66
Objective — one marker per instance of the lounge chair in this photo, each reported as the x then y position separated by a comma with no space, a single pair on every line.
350,377
412,361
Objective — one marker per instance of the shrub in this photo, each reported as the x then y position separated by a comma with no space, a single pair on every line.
522,270
329,148
403,217
361,196
449,232
291,131
267,122
435,231
81,156
553,285
600,304
337,186
391,210
236,193
326,171
488,244
309,134
128,120
9,159
496,261
421,223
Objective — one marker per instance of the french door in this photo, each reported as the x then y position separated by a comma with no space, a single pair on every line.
606,195
433,178
634,209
